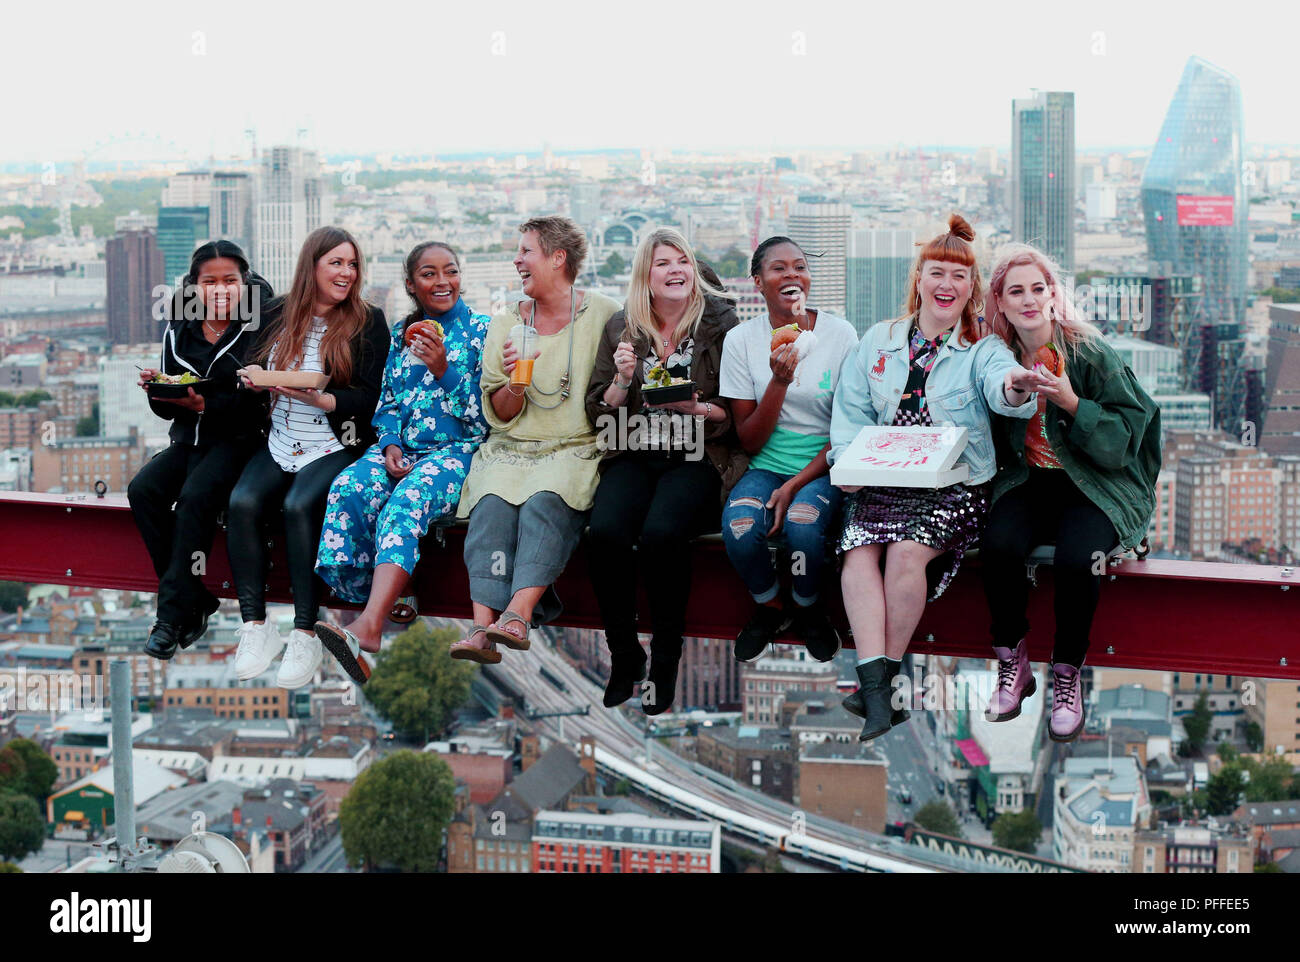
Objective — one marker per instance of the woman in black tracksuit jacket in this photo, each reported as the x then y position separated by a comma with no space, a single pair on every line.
213,435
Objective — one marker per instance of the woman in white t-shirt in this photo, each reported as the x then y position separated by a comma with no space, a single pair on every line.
780,400
322,325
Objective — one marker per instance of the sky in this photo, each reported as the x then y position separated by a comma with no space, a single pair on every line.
156,80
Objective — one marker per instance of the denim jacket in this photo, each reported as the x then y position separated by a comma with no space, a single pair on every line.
963,386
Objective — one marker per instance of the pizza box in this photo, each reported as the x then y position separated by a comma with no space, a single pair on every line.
904,457
302,380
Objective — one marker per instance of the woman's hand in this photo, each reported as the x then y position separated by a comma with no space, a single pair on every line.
783,362
396,463
693,407
1021,380
192,403
317,399
625,361
779,503
246,382
849,488
431,352
1058,390
509,357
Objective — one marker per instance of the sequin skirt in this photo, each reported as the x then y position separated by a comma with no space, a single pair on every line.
948,519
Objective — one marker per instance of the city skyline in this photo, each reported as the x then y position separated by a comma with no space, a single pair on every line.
1123,63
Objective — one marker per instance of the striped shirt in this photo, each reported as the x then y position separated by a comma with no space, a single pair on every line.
300,433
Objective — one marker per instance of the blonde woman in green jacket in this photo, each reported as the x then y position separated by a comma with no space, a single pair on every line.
1080,474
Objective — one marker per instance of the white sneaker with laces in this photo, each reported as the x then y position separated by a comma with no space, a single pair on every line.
302,657
258,647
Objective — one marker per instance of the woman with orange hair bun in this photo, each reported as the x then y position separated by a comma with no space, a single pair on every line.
928,367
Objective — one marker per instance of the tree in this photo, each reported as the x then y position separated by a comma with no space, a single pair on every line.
40,771
1268,779
33,398
87,427
1227,753
1254,736
396,812
734,263
13,771
415,685
613,266
22,830
937,816
1197,724
1224,790
13,594
1018,831
9,867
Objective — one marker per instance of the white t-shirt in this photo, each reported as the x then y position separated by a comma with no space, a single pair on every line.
804,424
300,433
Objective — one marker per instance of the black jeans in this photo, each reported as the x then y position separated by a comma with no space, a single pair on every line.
1047,509
658,502
261,491
198,482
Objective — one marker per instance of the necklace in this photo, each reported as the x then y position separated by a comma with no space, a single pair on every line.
214,330
563,389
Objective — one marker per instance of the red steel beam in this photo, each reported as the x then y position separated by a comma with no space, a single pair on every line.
1221,619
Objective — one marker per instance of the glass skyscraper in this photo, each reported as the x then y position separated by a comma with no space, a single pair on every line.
1042,166
1195,207
877,270
180,231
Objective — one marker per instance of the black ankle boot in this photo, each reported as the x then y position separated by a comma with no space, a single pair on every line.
875,692
898,715
626,668
663,676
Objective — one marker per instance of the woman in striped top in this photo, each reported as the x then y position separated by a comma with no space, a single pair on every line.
323,326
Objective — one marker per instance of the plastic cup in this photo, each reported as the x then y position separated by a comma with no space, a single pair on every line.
524,339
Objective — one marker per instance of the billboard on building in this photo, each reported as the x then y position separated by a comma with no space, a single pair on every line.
1196,211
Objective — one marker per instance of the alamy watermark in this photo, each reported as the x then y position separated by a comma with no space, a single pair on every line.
21,690
653,431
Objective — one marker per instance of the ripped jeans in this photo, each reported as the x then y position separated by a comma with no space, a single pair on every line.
745,523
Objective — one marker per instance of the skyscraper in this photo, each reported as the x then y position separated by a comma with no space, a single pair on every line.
291,203
134,267
230,211
180,231
1194,205
878,266
822,228
1042,173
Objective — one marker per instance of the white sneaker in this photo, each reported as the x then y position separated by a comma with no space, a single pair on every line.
302,658
258,647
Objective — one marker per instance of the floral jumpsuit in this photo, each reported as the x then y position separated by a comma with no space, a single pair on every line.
372,519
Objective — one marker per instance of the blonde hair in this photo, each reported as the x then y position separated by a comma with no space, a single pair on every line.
1069,331
640,310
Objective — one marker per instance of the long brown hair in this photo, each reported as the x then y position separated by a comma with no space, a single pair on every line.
289,336
954,246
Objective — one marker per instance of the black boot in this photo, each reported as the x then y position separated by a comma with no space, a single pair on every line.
899,714
626,668
875,692
163,640
196,629
664,659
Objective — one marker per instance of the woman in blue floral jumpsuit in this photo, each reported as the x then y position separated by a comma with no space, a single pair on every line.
429,423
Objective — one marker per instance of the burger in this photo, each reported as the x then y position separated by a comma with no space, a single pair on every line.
427,328
785,335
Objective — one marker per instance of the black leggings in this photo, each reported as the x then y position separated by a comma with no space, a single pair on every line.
659,504
262,489
1047,509
198,482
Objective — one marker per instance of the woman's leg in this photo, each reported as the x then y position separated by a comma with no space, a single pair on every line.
1084,537
1008,539
617,516
260,487
745,521
684,505
863,589
809,518
304,512
151,493
428,493
346,555
548,534
490,558
905,593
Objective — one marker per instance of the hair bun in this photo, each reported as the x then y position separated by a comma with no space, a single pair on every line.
959,227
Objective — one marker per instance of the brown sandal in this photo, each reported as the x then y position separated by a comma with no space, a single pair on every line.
498,634
405,611
467,652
